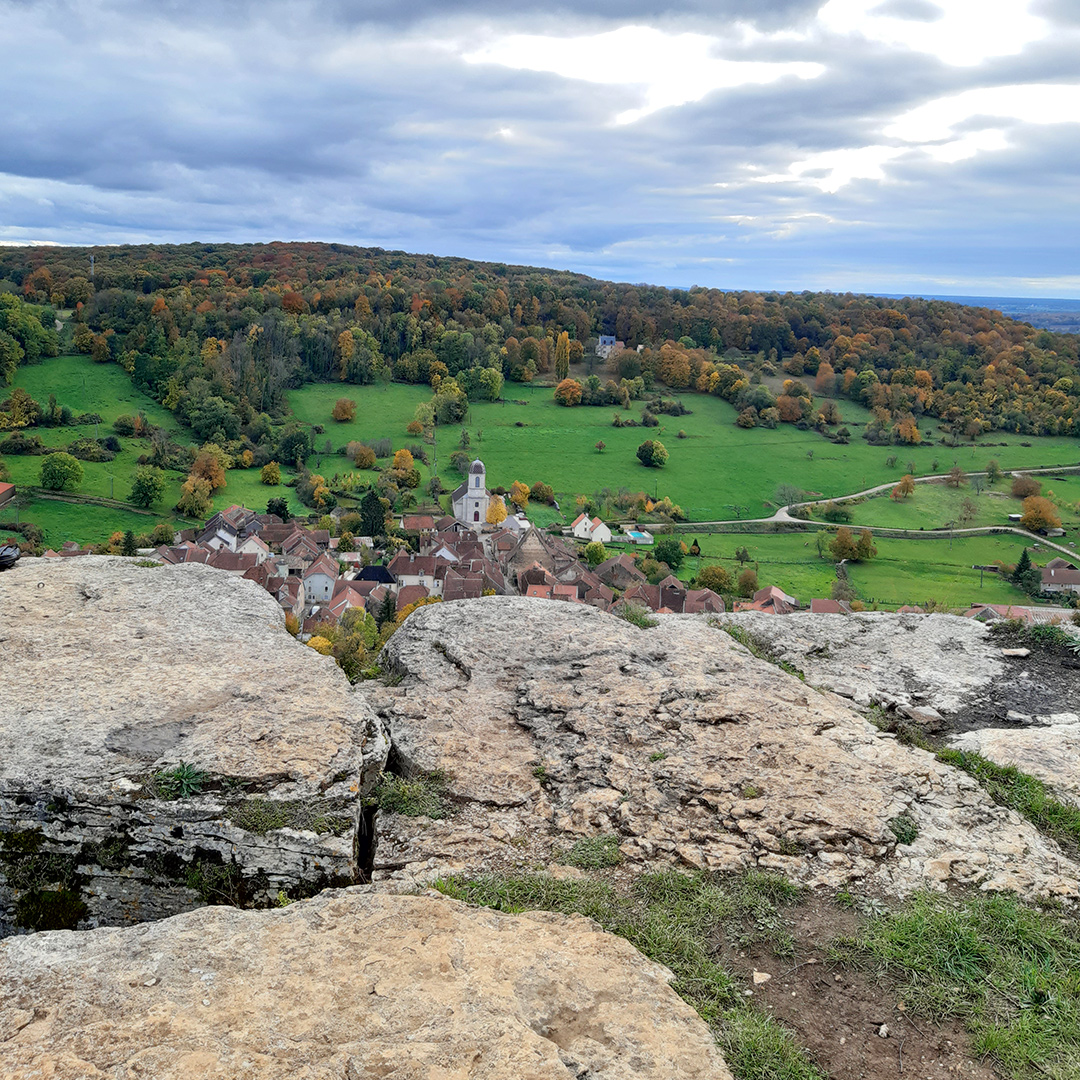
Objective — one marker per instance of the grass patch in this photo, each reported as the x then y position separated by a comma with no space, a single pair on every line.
1010,787
675,919
757,647
264,815
1011,973
422,795
637,616
594,853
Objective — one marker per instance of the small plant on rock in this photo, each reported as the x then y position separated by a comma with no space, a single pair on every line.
180,782
904,828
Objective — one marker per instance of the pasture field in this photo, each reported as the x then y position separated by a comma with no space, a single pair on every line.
903,572
938,506
716,467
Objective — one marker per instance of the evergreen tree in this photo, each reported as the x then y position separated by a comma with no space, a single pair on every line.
127,545
372,515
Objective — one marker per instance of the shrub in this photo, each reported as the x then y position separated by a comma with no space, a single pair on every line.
652,453
568,393
1024,487
344,410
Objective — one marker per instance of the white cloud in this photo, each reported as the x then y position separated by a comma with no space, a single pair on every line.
1038,103
831,170
667,69
959,32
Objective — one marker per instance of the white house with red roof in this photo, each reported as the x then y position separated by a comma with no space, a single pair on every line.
590,529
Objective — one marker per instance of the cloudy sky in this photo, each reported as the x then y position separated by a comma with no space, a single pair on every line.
877,145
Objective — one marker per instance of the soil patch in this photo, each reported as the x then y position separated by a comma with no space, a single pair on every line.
852,1025
1040,684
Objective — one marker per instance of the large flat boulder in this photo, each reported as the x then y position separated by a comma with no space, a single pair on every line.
116,673
878,658
555,722
349,984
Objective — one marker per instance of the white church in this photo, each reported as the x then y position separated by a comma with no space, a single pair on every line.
470,501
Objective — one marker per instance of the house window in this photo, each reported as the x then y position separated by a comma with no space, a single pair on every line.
476,515
477,484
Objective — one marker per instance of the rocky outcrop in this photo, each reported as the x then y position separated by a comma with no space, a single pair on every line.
557,722
350,984
116,673
1049,751
877,658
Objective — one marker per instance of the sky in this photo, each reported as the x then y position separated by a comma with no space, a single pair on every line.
923,146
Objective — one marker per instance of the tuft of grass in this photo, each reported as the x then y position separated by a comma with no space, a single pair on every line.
1009,972
1008,786
422,795
904,828
673,918
264,815
178,783
658,755
637,616
594,853
758,648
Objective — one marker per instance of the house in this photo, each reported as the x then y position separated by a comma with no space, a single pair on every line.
770,600
619,572
424,570
379,574
254,545
702,602
409,594
822,606
987,613
462,586
229,528
606,345
7,493
590,529
1057,579
470,501
319,579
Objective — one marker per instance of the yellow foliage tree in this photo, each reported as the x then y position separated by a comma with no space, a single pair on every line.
346,344
496,514
320,645
519,494
403,461
195,497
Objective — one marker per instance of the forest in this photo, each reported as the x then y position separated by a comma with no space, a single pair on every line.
219,333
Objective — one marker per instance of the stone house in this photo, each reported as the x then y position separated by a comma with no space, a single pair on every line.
319,580
470,501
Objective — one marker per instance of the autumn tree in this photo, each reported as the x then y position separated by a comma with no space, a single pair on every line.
905,488
270,474
195,497
1039,514
993,471
747,582
562,356
600,447
716,578
364,457
403,461
496,512
344,409
346,346
61,472
1023,487
210,465
568,393
519,494
147,486
955,477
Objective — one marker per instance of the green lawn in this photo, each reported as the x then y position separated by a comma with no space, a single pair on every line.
717,466
904,571
936,506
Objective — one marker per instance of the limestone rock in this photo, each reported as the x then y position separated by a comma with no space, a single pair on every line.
556,722
349,984
883,659
114,672
1050,752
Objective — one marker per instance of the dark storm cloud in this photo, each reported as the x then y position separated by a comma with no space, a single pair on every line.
364,122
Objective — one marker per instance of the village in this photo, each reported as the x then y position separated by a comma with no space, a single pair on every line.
317,576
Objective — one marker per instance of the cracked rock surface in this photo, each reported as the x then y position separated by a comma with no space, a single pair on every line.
555,722
349,984
114,672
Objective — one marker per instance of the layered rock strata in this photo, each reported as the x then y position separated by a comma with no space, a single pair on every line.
117,674
349,984
556,722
